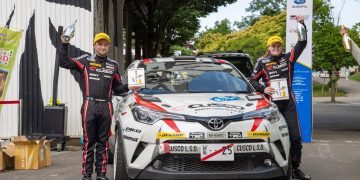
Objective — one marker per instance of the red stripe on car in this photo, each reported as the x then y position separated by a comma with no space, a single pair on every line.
171,123
147,104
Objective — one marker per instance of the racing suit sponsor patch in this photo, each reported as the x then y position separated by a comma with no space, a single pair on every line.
171,135
263,134
95,64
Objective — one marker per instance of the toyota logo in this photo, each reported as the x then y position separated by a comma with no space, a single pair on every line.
216,123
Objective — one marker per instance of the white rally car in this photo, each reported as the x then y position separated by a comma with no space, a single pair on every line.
198,118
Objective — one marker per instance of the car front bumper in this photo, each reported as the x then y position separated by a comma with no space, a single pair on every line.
245,166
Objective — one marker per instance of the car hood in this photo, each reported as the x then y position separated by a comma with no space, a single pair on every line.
205,104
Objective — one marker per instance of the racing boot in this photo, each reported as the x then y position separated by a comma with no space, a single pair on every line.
298,174
101,176
86,177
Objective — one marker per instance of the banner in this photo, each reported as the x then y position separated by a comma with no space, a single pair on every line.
302,80
9,42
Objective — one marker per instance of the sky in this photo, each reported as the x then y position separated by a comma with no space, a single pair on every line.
349,16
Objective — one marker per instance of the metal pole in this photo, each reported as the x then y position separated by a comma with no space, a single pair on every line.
120,27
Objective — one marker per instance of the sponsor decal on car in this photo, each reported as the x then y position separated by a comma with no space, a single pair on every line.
216,106
170,135
217,152
173,148
130,129
282,127
254,97
256,134
216,135
226,98
249,147
234,135
196,135
130,138
284,134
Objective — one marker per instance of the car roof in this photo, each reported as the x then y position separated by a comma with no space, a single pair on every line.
225,54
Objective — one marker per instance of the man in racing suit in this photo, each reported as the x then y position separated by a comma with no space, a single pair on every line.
99,78
275,65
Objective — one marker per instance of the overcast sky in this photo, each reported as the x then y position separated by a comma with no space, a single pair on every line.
349,16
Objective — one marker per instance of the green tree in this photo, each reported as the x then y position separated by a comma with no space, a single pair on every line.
162,21
223,27
251,40
184,51
329,53
260,8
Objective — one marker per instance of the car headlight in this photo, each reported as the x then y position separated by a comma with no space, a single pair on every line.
270,113
149,116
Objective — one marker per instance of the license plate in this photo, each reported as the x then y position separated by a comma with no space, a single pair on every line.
217,152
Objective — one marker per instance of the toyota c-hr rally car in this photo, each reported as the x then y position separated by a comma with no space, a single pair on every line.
198,118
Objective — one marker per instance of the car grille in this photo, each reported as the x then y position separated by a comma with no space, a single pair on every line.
192,163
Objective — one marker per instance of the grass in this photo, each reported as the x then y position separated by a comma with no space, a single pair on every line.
317,87
355,77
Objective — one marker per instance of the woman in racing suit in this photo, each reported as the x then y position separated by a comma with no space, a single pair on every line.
275,65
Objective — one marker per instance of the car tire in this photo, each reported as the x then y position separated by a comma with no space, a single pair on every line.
120,172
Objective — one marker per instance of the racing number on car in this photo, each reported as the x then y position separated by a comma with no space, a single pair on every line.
217,152
227,150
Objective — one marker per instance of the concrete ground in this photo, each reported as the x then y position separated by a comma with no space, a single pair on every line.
349,86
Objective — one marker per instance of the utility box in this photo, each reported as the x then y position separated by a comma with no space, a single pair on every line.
55,121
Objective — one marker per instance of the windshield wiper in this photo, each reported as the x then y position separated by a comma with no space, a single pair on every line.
242,92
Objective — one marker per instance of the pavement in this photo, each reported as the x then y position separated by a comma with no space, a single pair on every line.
349,86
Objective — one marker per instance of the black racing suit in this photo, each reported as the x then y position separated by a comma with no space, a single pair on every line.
269,68
99,78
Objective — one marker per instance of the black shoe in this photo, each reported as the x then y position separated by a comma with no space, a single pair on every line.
101,176
86,177
298,174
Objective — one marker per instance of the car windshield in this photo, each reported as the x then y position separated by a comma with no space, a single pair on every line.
242,63
193,77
